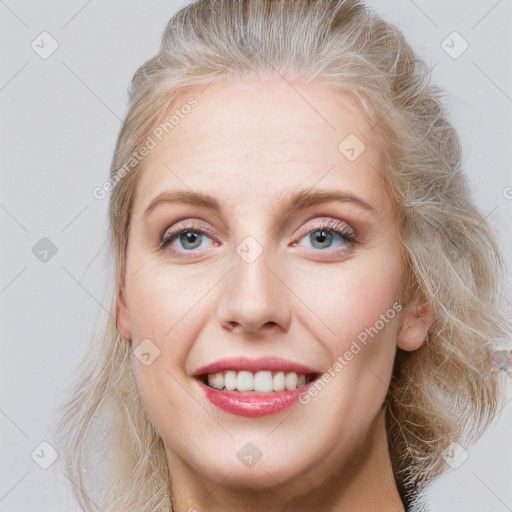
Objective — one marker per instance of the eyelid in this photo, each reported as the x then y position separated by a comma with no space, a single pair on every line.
189,225
323,222
324,219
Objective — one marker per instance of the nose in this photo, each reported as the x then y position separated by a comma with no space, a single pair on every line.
254,297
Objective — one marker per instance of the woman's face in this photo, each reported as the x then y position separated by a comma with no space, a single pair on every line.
295,259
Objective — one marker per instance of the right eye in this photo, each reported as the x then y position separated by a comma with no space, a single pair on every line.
189,238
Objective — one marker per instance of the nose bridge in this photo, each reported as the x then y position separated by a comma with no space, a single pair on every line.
253,296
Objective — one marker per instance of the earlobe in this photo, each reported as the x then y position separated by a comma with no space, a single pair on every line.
123,316
416,319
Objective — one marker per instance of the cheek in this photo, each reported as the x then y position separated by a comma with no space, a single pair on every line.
169,307
363,312
358,307
166,309
166,302
348,300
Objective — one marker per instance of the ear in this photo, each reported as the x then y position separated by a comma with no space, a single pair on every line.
416,318
123,316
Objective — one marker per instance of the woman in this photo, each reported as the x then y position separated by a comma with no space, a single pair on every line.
304,295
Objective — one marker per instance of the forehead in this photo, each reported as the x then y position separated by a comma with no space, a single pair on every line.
252,142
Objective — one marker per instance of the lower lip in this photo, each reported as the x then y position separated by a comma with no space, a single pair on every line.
253,405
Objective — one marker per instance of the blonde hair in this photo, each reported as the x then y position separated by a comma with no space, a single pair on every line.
441,393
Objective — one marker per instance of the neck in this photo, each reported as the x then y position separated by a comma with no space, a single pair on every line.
365,483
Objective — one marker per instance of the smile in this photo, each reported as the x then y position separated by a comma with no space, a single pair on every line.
263,381
254,387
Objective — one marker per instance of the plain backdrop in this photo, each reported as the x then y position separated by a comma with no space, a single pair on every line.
60,116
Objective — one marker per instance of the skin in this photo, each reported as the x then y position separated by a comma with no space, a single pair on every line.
251,144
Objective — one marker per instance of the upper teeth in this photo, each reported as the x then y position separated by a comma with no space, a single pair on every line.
262,381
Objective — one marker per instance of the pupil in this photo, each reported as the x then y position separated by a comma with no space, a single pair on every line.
189,237
323,235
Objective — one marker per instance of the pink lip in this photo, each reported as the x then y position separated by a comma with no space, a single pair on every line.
254,365
252,404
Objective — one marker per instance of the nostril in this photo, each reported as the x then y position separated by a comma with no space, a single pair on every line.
231,325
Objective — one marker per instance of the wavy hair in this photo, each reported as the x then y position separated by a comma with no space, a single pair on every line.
445,391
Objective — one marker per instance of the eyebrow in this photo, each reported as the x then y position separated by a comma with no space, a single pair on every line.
297,201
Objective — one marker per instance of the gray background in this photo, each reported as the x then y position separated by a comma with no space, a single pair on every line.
59,120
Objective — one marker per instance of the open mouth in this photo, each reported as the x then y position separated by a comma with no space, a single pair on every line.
264,381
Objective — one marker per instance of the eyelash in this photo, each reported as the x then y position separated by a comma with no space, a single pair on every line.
336,227
193,226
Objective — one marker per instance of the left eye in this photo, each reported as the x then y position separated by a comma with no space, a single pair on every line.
327,232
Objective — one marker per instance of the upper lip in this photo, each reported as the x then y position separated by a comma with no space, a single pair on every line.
254,364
